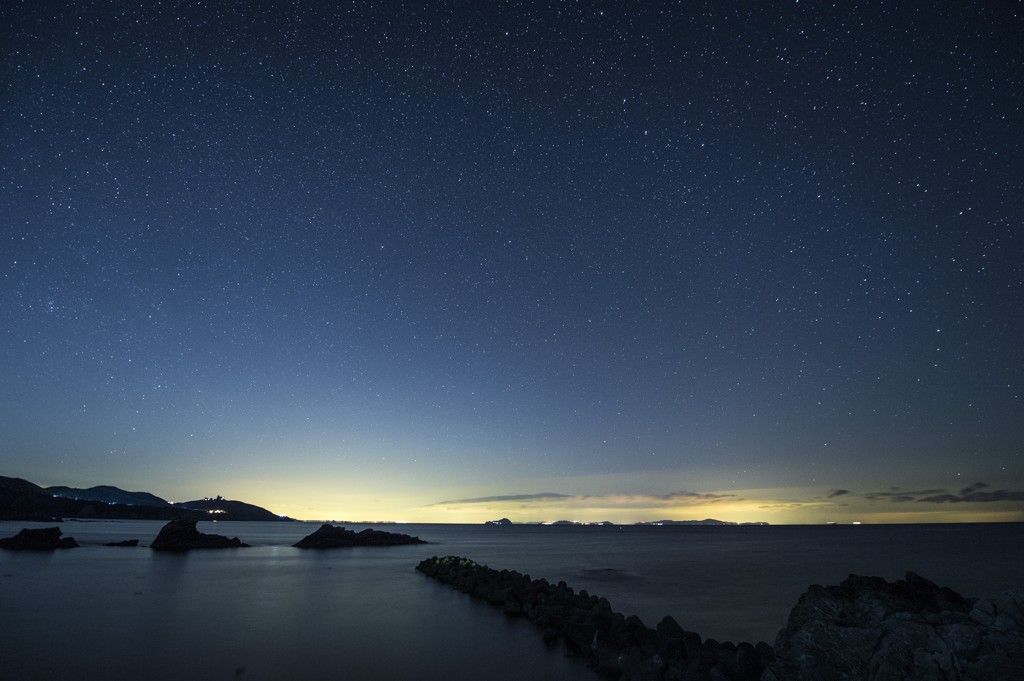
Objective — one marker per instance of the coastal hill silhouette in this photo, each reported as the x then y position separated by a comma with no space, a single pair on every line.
23,500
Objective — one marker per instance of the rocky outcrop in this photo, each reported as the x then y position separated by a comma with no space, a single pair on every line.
330,537
127,543
43,539
182,535
868,629
615,646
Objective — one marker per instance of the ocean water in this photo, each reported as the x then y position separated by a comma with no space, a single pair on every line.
276,612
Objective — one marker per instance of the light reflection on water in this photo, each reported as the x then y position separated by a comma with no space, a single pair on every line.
274,612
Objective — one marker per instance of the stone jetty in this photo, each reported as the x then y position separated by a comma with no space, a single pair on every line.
865,628
613,645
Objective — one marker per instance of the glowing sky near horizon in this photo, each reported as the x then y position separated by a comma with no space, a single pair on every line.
459,261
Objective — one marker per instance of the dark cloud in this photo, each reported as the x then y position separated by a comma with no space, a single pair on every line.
971,496
838,493
690,495
899,495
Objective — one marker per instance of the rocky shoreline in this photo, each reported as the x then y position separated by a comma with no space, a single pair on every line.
864,629
907,630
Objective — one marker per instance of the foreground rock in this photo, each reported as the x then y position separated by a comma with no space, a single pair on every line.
43,539
613,645
182,535
908,630
331,537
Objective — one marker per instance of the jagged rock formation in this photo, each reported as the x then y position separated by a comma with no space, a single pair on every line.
615,646
867,629
330,537
182,535
43,539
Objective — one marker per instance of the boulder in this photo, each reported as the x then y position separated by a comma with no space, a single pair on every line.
43,539
909,630
330,537
182,535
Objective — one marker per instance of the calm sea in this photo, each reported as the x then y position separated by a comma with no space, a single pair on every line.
274,612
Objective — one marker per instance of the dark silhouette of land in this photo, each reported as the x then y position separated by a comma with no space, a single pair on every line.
706,521
913,629
330,537
42,539
23,500
182,535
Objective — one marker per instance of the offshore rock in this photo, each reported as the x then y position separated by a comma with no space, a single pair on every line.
43,539
127,543
331,537
613,645
867,629
182,535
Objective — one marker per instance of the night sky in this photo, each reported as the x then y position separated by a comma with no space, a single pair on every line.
758,261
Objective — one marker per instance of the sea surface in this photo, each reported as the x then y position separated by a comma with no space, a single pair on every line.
274,612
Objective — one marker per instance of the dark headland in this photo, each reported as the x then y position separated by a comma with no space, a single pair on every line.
23,500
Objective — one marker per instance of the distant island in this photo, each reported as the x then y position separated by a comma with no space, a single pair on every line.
608,523
23,500
706,521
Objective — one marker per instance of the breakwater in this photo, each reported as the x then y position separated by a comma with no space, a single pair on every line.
613,645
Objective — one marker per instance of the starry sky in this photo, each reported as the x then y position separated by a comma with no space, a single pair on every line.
447,262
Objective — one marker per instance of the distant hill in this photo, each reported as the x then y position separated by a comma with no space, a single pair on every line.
235,510
23,500
109,495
